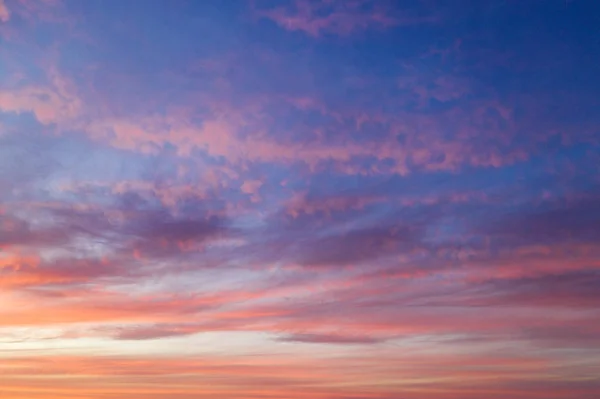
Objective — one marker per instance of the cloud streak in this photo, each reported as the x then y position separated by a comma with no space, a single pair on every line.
316,18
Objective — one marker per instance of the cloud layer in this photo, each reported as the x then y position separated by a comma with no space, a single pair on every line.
325,199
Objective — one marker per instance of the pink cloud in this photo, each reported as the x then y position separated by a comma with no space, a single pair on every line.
338,17
299,204
4,12
252,187
56,102
241,134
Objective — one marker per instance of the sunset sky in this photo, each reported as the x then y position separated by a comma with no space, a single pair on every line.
337,199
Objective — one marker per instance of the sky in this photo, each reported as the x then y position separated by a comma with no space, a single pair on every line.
337,199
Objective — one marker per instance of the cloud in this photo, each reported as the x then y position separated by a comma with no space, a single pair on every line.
252,187
18,232
354,247
80,245
551,222
4,12
158,234
155,331
23,273
338,17
92,304
575,289
238,134
54,103
330,339
302,204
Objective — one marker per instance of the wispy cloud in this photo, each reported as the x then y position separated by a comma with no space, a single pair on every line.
316,18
